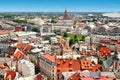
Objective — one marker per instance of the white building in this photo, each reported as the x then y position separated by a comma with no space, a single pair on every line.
53,40
66,75
37,21
48,66
46,30
22,34
4,35
63,25
112,15
26,68
82,31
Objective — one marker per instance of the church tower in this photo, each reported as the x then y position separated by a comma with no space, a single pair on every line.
65,17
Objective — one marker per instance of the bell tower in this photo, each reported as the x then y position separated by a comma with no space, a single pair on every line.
65,17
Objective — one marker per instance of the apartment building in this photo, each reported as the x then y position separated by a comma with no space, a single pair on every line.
48,66
26,68
53,67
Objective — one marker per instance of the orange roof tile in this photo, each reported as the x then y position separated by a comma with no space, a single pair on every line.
75,76
89,65
107,78
3,66
96,68
32,41
86,78
66,65
64,45
39,77
86,64
105,41
20,45
105,51
80,25
101,78
18,54
28,48
10,75
50,57
3,32
25,47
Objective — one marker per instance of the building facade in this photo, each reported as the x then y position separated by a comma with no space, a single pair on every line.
48,66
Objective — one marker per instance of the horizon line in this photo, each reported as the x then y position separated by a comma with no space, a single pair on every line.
57,11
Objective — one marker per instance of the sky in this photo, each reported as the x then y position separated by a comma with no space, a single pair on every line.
59,5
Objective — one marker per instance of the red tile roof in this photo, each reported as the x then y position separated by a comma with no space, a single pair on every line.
64,45
3,32
86,78
89,65
39,77
32,41
66,65
118,41
3,66
105,51
75,76
18,54
86,65
80,25
95,68
107,78
50,57
10,75
25,47
105,41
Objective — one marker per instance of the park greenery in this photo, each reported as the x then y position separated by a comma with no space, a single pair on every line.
73,37
54,19
35,30
47,38
19,21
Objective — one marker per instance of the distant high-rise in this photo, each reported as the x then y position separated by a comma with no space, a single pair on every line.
65,17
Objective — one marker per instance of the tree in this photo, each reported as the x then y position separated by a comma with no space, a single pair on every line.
71,41
65,34
20,21
75,38
55,31
94,20
75,22
47,38
106,21
31,23
35,30
100,62
82,38
53,21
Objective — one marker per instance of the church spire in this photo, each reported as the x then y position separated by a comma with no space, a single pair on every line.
65,17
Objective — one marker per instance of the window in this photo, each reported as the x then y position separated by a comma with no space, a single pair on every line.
52,70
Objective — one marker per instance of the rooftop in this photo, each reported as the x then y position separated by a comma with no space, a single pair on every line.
25,47
10,75
18,54
50,57
66,65
3,32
